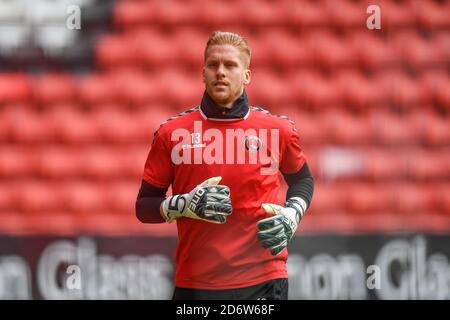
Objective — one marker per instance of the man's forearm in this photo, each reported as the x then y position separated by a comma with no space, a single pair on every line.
148,203
301,184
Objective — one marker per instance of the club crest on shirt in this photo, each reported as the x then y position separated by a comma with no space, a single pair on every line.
252,144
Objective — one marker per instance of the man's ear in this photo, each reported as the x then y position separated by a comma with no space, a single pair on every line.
203,75
247,76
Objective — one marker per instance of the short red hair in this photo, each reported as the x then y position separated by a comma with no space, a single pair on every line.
222,37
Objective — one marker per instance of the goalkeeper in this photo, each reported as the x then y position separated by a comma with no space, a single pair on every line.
223,161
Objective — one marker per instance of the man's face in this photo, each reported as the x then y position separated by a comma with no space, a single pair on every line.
225,74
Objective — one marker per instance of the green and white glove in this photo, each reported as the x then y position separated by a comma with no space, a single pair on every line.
209,202
276,232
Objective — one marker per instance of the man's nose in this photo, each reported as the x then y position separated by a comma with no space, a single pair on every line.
220,70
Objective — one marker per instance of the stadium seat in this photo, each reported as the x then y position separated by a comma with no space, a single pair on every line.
383,164
432,14
344,127
330,51
313,90
15,161
9,197
411,198
121,197
269,89
153,48
396,14
214,13
391,129
39,197
263,13
133,14
54,88
27,125
82,197
358,92
362,198
111,52
344,13
307,13
14,88
57,162
372,50
426,165
181,89
73,126
417,51
12,223
97,89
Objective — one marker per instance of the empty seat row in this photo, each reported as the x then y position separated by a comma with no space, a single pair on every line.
151,47
295,13
110,123
107,163
359,198
181,88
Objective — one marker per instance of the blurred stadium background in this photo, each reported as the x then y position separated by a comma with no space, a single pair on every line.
78,109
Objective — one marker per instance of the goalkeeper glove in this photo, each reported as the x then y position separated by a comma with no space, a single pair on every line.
209,202
275,232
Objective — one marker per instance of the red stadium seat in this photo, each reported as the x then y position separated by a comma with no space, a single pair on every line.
184,90
112,51
12,223
95,89
218,13
307,14
154,48
283,48
329,50
442,198
82,197
345,13
391,129
73,126
430,165
269,89
9,196
56,223
384,165
27,125
436,84
101,163
16,161
116,125
314,91
396,14
58,162
434,129
263,13
359,92
344,127
192,44
362,198
373,51
132,14
39,197
174,12
411,198
14,88
328,198
432,14
417,51
310,125
54,88
121,197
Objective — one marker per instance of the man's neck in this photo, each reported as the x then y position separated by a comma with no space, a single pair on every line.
238,109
